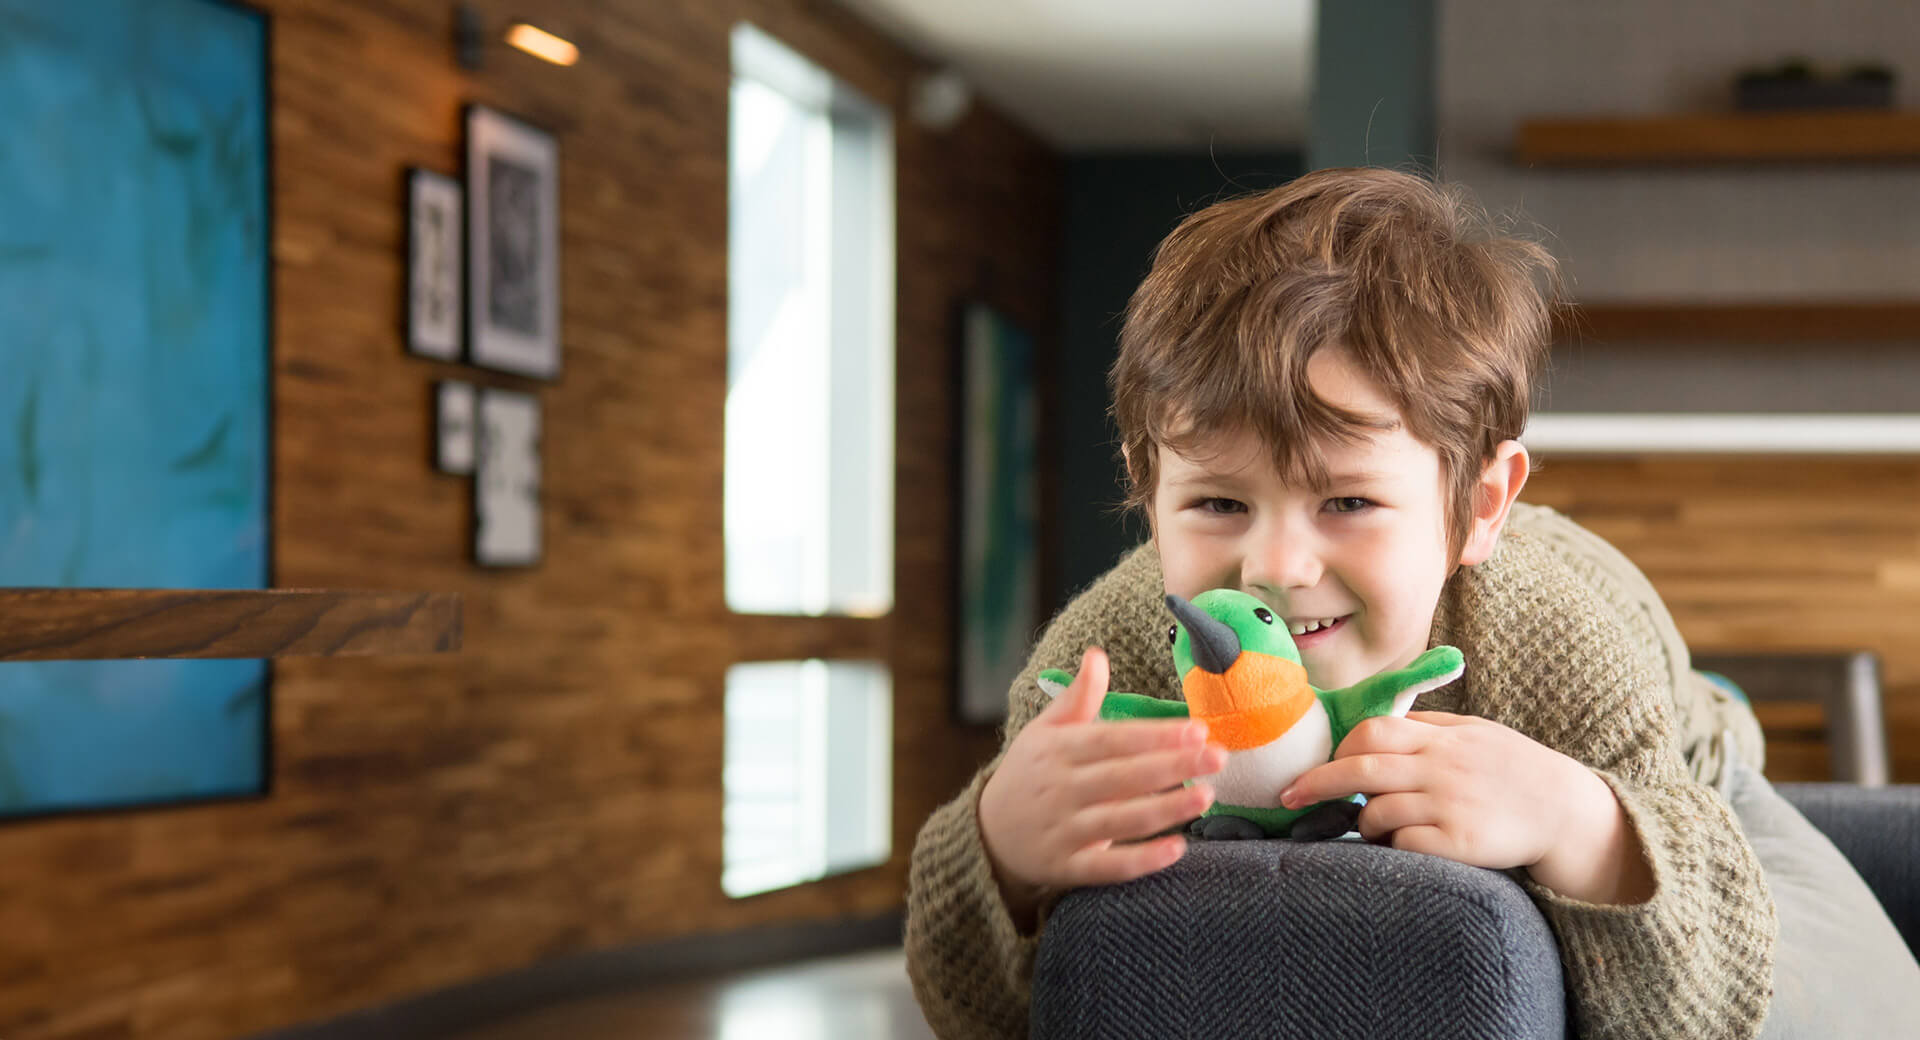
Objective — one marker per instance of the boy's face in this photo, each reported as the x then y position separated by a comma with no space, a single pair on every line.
1368,554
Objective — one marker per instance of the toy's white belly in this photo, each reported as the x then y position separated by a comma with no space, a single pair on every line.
1255,777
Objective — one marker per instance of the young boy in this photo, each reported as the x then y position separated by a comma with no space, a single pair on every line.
1319,392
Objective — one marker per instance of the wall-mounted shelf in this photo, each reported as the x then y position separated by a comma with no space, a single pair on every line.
1618,433
1852,322
108,624
1850,135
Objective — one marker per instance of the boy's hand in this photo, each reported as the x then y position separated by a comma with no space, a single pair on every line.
1478,792
1073,794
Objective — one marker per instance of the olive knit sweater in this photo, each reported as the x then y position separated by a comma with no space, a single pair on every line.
1564,642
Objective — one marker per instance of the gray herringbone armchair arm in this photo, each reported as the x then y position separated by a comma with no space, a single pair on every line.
1342,939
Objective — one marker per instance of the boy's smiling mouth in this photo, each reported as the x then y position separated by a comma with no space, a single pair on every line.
1308,631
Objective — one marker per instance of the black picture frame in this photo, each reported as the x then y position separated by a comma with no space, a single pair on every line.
436,276
512,245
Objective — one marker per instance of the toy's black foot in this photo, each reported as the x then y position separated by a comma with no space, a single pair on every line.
1224,828
1328,821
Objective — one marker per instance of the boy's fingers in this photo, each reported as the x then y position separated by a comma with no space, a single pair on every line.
1362,774
1384,735
1443,718
1126,738
1390,812
1120,778
1117,863
1136,818
1080,702
1424,838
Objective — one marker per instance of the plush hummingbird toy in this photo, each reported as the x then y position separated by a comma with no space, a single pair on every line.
1241,673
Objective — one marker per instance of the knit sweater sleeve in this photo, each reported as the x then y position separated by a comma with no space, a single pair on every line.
1714,729
970,964
1545,658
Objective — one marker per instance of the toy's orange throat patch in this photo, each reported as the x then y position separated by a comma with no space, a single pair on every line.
1258,699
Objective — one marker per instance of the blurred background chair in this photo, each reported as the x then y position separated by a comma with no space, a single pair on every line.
1807,699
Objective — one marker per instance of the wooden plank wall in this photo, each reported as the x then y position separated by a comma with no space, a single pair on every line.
1763,553
556,788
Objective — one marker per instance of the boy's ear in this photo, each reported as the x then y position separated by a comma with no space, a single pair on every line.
1500,484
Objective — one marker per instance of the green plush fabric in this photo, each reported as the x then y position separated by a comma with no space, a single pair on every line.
1215,638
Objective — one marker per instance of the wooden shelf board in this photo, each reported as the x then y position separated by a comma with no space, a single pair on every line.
1662,433
1865,321
113,624
1863,135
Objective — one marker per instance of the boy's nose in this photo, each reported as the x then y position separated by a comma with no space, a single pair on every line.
1281,564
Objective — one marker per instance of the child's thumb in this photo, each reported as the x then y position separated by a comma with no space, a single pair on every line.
1081,701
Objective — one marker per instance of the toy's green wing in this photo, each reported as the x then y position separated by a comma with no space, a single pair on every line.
1054,682
1117,705
1140,706
1390,693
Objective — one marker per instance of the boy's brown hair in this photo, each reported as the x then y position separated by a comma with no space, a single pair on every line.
1451,319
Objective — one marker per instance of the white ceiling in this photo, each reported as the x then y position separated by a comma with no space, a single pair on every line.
1132,75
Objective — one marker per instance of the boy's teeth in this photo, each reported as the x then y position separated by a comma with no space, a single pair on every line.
1301,628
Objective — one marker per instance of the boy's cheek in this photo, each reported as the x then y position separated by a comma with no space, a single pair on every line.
1187,581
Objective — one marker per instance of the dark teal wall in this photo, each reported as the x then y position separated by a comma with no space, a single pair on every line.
1373,84
1119,207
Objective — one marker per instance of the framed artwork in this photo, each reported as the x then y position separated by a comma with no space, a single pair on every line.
135,338
434,229
454,431
506,485
513,245
998,501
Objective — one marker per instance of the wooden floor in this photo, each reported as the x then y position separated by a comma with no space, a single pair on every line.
857,996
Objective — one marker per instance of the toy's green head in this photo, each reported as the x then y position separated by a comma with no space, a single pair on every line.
1220,624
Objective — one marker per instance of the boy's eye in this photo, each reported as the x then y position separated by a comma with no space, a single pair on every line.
1222,506
1347,505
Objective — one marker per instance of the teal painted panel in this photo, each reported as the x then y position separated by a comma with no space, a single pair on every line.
999,510
134,368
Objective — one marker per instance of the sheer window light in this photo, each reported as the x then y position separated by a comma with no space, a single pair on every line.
808,772
809,422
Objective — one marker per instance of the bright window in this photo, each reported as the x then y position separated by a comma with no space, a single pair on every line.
809,439
809,465
809,771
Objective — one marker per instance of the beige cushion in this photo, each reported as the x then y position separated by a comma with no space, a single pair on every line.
1840,968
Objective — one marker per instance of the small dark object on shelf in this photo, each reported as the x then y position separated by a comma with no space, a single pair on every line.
1793,84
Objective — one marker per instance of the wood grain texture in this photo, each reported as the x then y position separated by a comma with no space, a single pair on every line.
1867,321
110,624
1760,554
556,786
1840,135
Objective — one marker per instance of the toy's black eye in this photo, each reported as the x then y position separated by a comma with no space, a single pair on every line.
1173,634
1265,615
